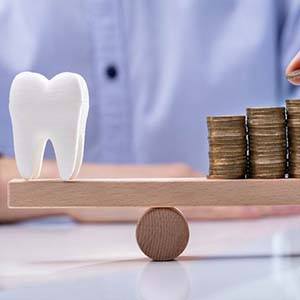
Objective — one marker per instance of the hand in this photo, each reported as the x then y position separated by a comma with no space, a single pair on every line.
293,66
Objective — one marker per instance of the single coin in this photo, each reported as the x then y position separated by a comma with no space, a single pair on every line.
293,153
270,131
227,134
272,147
294,141
291,175
226,144
268,139
228,151
227,165
226,124
292,101
226,138
221,169
214,158
213,176
260,156
265,123
293,75
225,118
266,176
267,145
293,122
294,146
272,109
226,171
293,109
267,171
266,115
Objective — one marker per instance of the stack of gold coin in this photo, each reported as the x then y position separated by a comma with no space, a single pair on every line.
267,142
227,147
293,120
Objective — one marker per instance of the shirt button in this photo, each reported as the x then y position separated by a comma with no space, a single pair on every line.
111,72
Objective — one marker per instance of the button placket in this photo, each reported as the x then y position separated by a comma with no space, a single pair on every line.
114,105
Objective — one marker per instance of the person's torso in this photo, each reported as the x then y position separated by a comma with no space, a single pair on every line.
155,69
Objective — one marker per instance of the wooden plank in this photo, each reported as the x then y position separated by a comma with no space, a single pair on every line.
152,192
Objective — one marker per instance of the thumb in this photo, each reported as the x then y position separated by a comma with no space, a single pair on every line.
292,71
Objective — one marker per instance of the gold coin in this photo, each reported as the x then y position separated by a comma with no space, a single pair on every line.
271,131
292,102
212,176
229,118
238,174
227,170
267,176
226,135
265,110
293,122
267,139
267,169
221,145
228,156
293,130
227,139
256,124
227,167
293,113
227,148
221,122
260,148
227,164
258,157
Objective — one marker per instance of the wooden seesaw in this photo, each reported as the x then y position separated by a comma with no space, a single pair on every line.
162,232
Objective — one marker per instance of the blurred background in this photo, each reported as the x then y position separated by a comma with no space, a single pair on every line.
154,70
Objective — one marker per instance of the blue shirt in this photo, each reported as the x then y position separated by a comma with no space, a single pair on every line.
155,69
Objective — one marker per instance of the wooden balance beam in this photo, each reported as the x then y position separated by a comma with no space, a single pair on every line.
152,192
162,233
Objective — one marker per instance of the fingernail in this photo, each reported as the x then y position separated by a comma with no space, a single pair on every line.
293,75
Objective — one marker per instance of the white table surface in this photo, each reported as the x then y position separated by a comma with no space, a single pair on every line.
57,259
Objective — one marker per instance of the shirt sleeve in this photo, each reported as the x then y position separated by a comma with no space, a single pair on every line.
6,139
289,44
6,75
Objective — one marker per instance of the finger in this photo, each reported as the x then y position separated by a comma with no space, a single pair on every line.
293,70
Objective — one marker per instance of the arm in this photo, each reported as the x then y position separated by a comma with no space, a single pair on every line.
8,171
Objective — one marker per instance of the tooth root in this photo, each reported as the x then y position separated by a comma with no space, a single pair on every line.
81,138
79,156
29,155
66,152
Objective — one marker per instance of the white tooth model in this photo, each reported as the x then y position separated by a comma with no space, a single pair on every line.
43,110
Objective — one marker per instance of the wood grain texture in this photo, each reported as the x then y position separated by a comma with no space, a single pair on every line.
153,192
162,233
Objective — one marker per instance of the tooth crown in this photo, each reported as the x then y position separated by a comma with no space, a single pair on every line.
54,110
